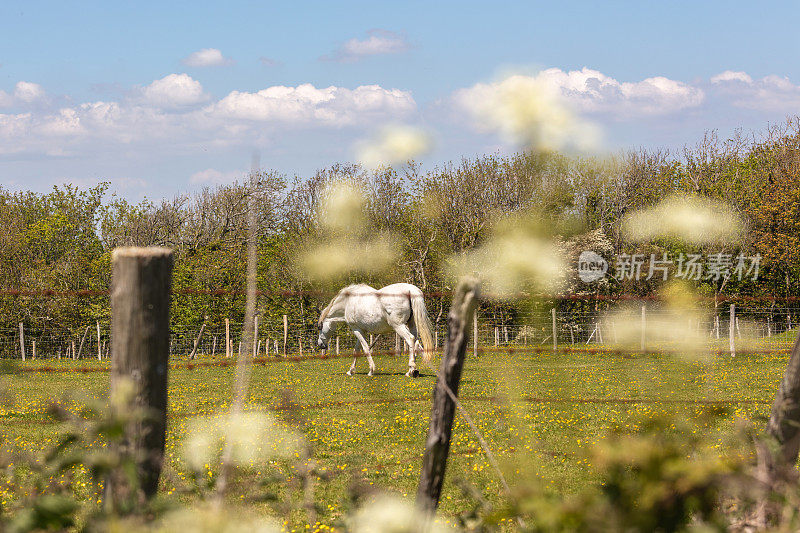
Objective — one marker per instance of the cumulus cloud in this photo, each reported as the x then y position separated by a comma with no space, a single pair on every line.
28,92
730,75
167,114
305,104
770,93
174,90
394,145
25,92
207,57
377,42
592,91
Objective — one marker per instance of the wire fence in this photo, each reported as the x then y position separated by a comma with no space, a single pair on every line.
644,326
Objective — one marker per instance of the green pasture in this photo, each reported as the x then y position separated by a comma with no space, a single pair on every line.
538,411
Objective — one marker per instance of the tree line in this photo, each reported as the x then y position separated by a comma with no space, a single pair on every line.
61,241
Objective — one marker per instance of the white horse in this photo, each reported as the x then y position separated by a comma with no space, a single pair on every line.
399,307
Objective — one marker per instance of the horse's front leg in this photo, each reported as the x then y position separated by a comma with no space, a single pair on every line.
367,350
409,339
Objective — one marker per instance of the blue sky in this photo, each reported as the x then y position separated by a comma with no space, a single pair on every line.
124,92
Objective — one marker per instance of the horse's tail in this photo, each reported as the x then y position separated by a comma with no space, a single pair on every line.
423,324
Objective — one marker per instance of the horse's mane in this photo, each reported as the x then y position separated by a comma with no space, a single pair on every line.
344,291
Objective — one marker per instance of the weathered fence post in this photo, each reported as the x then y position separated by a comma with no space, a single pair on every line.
337,344
22,340
99,346
777,459
83,339
730,329
255,336
285,333
437,444
555,331
140,300
397,349
197,340
228,348
496,336
214,347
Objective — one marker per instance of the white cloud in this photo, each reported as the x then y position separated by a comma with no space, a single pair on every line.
153,120
307,104
207,57
174,90
28,92
770,93
730,75
592,91
212,176
378,42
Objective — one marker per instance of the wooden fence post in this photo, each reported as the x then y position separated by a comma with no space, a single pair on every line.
140,300
74,355
255,336
99,347
437,444
396,344
285,333
731,325
214,347
337,344
496,336
197,340
777,459
555,331
228,347
22,340
83,339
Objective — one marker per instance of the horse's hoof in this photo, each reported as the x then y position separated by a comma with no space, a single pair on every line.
412,373
370,373
349,372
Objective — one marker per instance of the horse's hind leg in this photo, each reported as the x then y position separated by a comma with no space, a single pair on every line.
365,346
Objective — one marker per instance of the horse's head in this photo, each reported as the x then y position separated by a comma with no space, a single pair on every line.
324,329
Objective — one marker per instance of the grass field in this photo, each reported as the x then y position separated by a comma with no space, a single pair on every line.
538,412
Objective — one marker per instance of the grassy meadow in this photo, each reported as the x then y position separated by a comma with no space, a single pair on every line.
539,412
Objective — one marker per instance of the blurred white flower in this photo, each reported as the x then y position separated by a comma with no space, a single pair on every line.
394,145
515,259
529,112
689,219
344,246
216,519
253,437
342,208
388,514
